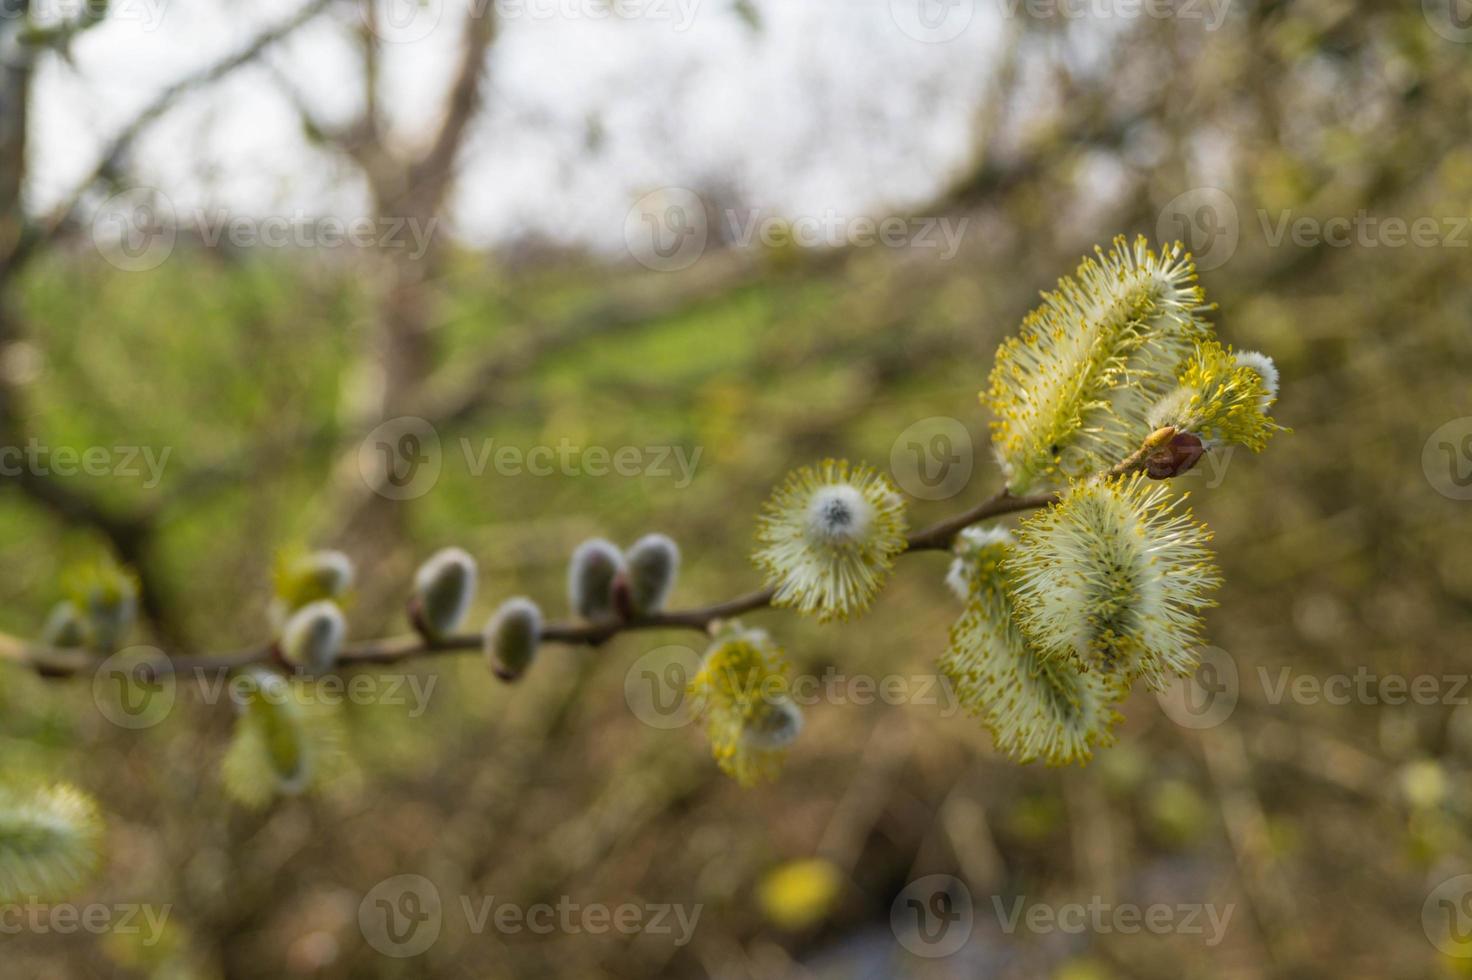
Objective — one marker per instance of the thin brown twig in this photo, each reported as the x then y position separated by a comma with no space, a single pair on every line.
34,238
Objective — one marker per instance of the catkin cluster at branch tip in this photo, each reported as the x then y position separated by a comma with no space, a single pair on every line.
1115,381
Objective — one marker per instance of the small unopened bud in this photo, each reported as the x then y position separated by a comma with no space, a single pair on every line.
512,636
653,563
590,578
1160,437
313,636
1174,457
443,589
64,627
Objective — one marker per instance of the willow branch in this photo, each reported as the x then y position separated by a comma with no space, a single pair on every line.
51,662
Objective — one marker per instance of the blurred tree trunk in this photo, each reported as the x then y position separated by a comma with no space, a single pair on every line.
416,195
15,87
410,194
129,535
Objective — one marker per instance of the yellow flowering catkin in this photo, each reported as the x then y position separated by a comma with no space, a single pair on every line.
742,693
285,741
1114,577
1071,392
1035,707
1222,398
50,841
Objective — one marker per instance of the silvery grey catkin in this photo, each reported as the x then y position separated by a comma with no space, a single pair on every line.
313,636
443,589
590,578
512,636
653,562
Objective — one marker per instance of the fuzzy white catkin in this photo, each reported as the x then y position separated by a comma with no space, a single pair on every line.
977,549
653,562
828,537
52,837
1116,576
1265,368
313,636
512,636
1035,708
444,587
595,564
